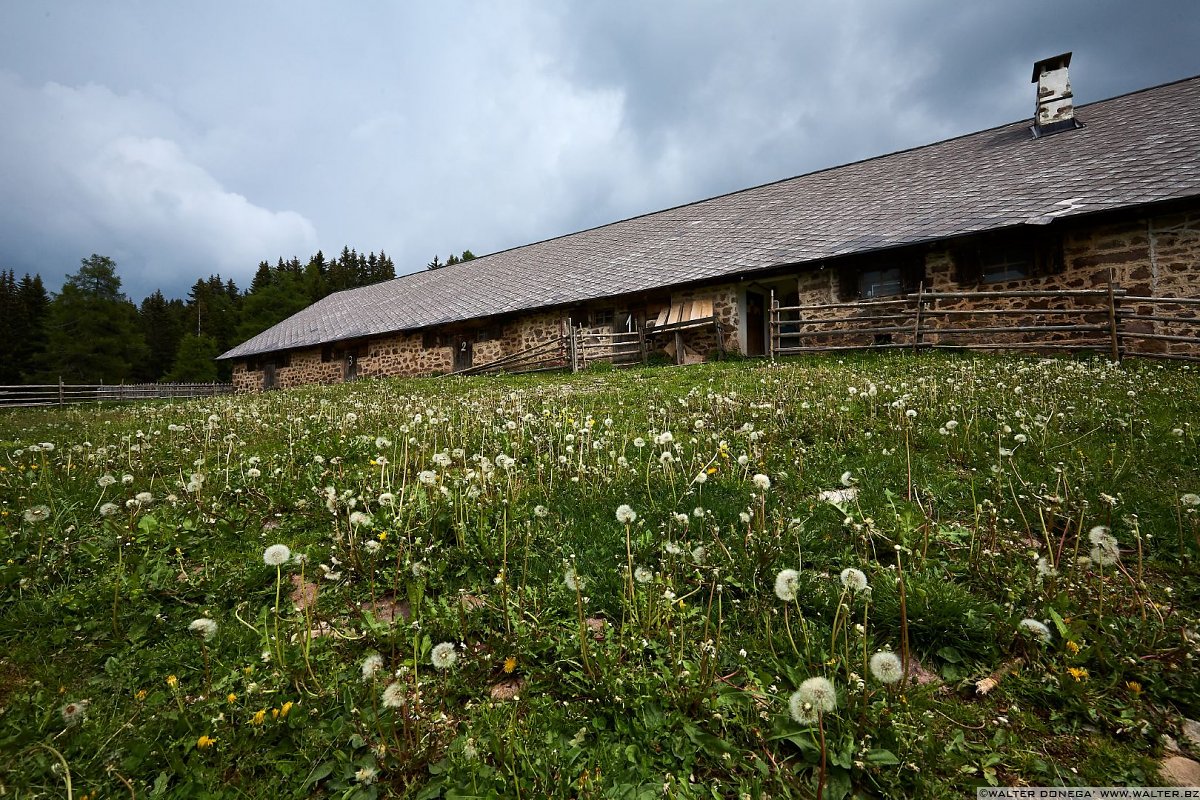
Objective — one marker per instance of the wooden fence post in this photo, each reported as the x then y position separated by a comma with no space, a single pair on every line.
1112,318
573,345
772,325
917,323
61,394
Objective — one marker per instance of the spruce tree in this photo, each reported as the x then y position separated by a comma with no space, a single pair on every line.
92,335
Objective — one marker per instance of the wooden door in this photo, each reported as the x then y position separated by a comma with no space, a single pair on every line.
462,354
268,376
756,324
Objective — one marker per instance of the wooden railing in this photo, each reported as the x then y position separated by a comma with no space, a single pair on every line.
62,394
619,347
1106,319
573,350
553,354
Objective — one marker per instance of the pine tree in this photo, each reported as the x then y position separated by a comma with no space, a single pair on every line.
93,335
196,360
163,325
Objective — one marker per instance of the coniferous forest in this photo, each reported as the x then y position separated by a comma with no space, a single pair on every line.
91,332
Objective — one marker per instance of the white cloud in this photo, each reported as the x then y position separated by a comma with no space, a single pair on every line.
88,170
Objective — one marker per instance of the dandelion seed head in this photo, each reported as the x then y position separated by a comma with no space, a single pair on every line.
572,580
370,666
819,692
73,712
276,555
205,627
444,655
854,579
393,696
626,515
787,583
761,482
643,575
886,667
37,514
801,710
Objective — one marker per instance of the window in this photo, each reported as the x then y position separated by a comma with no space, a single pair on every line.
885,275
601,317
1009,262
879,283
326,353
432,339
1013,257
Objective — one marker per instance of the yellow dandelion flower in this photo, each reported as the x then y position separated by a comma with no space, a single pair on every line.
231,697
712,470
383,536
510,664
274,713
1074,648
172,681
285,708
1134,687
141,695
205,741
1078,673
258,717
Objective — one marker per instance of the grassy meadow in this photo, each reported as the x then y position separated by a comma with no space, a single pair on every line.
692,582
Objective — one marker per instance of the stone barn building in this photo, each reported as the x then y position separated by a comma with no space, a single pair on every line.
1103,197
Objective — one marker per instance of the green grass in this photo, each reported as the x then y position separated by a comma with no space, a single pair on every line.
964,471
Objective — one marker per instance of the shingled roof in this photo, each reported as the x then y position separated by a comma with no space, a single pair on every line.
1135,149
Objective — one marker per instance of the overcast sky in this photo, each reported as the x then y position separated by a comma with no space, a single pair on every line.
189,139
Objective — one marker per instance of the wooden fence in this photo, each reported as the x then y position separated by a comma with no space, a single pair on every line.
62,394
572,350
1107,320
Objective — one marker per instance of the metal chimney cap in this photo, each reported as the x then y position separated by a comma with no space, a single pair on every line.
1048,64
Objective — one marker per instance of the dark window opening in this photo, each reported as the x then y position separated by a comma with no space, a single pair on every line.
326,354
996,259
876,283
887,276
601,317
432,339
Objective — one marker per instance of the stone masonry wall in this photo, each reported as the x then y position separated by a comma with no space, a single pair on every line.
1158,257
404,355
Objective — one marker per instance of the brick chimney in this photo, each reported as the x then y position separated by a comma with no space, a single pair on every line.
1055,110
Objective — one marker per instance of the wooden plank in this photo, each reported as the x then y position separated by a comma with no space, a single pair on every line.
663,315
1164,337
852,331
1097,293
1183,301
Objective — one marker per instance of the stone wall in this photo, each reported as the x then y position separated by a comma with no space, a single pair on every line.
1158,257
403,355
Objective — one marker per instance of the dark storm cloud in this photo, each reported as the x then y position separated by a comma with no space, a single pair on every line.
184,140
